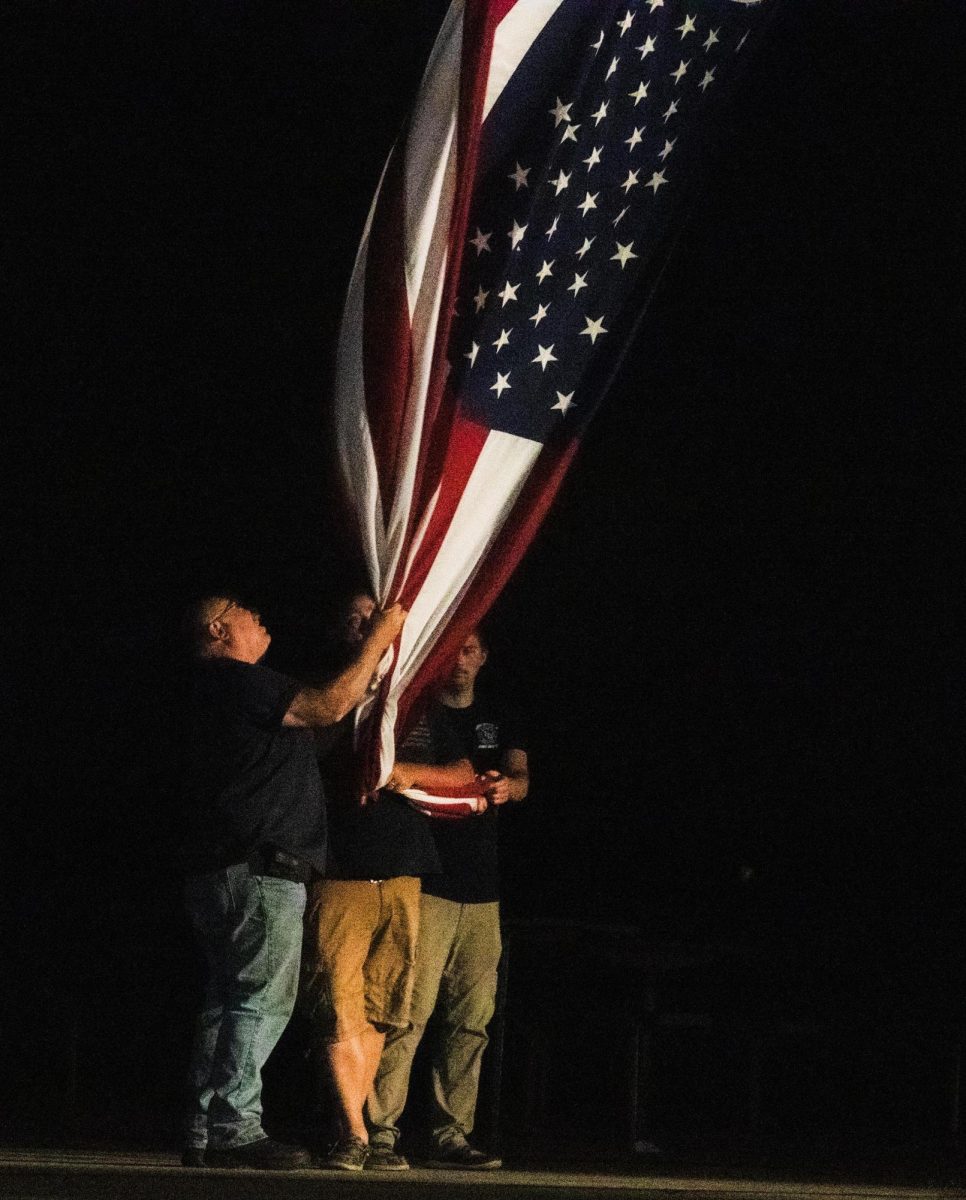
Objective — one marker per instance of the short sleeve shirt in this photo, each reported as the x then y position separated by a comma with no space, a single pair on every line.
251,783
468,849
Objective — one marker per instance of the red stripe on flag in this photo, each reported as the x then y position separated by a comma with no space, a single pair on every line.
386,337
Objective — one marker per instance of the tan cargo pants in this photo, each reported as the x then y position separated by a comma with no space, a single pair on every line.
457,955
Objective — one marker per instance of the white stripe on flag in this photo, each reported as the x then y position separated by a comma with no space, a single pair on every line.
490,493
514,36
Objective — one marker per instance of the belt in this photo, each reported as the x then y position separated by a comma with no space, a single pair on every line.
279,864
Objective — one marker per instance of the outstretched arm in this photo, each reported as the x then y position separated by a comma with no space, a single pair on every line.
329,704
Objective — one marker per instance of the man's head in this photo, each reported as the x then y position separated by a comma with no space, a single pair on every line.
469,659
223,627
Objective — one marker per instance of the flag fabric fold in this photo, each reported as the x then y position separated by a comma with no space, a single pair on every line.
535,187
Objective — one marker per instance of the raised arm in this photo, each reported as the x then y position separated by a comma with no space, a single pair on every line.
326,705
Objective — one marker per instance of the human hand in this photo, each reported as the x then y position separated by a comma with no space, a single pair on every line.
401,778
495,787
386,624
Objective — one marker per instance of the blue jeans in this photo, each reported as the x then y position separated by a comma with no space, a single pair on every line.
250,928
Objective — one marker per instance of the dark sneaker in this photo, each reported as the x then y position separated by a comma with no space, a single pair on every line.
465,1158
264,1155
193,1156
381,1158
348,1154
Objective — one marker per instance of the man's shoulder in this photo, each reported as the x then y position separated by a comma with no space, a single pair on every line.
231,683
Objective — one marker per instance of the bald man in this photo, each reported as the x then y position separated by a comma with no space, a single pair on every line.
256,833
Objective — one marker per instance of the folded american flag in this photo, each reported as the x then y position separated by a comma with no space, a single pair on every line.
518,220
453,804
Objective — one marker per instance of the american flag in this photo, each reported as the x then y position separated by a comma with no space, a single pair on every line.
530,198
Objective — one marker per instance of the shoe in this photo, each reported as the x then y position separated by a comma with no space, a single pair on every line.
348,1154
465,1157
193,1156
381,1158
264,1155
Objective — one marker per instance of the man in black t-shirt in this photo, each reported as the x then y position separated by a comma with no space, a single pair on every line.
361,931
459,926
255,832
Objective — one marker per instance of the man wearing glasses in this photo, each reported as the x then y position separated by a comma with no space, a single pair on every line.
256,832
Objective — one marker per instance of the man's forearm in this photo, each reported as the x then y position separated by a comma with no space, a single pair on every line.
327,705
519,785
457,774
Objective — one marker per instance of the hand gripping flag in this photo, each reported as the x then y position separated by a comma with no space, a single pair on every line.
515,235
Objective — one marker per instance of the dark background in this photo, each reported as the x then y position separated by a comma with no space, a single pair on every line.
738,638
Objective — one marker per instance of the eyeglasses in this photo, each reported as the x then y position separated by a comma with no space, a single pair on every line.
224,612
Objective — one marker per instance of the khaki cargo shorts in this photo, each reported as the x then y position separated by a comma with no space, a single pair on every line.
359,955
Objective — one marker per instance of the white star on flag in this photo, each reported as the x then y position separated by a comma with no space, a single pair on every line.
562,181
635,139
656,180
563,402
560,111
647,48
546,270
641,92
686,28
516,237
545,355
481,241
594,329
509,293
631,180
593,158
502,383
539,314
480,298
580,281
519,176
503,339
472,354
588,242
589,201
624,254
682,70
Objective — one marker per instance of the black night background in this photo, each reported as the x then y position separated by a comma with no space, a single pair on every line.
737,640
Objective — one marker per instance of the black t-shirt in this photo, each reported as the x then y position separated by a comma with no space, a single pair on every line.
381,839
468,848
251,784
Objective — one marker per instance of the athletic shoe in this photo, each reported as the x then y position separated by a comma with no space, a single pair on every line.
264,1155
465,1157
348,1154
381,1158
